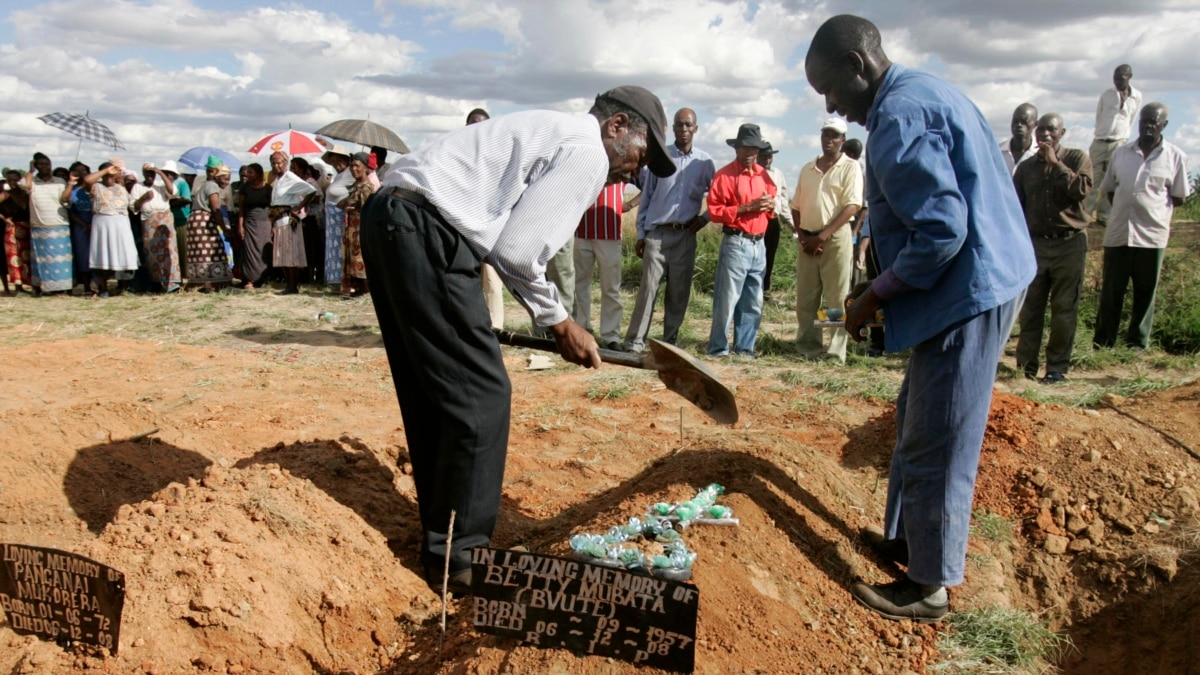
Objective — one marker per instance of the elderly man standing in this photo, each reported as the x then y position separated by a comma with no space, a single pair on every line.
781,217
1051,188
829,193
741,198
668,219
467,197
1114,124
598,244
1021,146
956,257
1145,182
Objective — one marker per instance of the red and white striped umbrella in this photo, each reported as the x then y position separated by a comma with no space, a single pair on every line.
292,142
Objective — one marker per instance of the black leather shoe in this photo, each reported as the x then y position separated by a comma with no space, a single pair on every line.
903,600
1054,378
459,583
891,550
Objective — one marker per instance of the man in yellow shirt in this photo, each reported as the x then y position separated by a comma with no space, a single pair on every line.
829,193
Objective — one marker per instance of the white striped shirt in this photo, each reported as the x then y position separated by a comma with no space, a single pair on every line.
515,187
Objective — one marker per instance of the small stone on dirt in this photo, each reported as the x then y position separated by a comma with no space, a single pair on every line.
1092,455
1095,531
1079,545
1075,525
1055,545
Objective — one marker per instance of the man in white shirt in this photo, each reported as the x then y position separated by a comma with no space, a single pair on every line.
1146,180
498,192
781,218
1114,124
1021,146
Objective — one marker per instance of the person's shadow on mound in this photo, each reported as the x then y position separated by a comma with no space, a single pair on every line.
101,478
350,472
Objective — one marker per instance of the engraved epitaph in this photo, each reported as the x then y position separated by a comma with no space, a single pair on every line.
553,602
61,596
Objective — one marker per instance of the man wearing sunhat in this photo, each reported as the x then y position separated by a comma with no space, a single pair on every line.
778,219
494,192
828,194
741,198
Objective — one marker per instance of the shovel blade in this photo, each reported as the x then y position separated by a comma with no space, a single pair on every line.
683,374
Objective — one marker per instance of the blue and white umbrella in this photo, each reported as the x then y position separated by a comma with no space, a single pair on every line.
197,158
84,127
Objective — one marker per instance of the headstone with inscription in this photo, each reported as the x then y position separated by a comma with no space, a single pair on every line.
555,602
61,596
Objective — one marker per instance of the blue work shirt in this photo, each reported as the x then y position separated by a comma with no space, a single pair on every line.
676,198
944,215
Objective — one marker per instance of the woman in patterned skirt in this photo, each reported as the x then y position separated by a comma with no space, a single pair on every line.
111,249
289,195
354,276
49,231
207,263
335,217
152,199
14,213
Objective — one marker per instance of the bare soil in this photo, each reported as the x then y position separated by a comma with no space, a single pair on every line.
269,523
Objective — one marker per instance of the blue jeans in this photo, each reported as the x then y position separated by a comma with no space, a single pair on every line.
737,295
941,416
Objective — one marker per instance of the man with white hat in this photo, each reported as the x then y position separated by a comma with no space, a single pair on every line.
829,193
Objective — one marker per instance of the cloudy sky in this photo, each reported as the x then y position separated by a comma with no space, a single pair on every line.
170,74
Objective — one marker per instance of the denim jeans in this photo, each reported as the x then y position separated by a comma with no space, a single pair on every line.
737,295
941,416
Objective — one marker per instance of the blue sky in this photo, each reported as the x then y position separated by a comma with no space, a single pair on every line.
171,74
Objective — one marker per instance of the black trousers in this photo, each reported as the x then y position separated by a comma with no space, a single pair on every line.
1123,264
771,241
450,380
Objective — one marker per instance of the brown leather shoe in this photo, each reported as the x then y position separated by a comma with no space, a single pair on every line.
903,600
891,550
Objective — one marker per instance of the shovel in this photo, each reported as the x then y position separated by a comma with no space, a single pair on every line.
677,369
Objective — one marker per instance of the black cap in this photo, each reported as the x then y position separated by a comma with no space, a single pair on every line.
749,135
650,108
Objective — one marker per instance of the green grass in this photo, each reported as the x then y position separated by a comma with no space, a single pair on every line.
998,640
607,386
1135,386
1190,211
991,527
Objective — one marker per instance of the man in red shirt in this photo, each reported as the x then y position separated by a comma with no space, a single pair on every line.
741,198
598,243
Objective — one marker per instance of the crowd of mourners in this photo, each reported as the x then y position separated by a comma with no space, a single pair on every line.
297,222
75,229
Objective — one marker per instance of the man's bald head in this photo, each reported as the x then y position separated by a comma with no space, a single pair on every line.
1151,123
684,128
1024,121
1122,74
845,64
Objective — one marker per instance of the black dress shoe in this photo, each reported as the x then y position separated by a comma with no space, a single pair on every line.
903,600
459,583
891,550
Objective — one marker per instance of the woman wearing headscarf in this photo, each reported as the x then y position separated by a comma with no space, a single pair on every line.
254,225
49,230
354,279
112,251
152,200
314,247
335,217
14,212
207,263
289,195
79,212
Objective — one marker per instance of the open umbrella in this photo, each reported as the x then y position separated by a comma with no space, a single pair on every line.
292,142
197,158
84,127
364,132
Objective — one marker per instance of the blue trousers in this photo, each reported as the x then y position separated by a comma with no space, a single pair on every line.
941,416
737,295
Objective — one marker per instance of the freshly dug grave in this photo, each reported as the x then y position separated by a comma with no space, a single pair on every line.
269,525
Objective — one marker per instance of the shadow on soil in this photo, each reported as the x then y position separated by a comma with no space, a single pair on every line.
352,337
101,478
